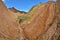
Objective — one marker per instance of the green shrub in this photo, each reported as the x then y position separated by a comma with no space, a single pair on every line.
22,18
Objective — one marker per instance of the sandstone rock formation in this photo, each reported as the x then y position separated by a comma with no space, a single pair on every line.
9,27
58,18
41,23
45,23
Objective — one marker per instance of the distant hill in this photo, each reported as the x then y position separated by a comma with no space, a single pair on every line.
15,10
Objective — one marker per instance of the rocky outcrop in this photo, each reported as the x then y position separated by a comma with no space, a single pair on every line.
44,24
58,18
9,27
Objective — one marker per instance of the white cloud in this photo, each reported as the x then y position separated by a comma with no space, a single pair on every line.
54,0
3,0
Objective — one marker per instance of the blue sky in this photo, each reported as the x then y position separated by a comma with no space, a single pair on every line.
23,5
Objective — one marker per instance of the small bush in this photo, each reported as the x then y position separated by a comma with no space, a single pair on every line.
22,18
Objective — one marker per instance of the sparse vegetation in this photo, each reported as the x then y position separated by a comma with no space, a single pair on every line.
22,18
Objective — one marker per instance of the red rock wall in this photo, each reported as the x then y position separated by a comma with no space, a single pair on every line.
43,22
9,27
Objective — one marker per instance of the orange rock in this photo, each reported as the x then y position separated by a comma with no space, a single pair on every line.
44,23
9,27
42,20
